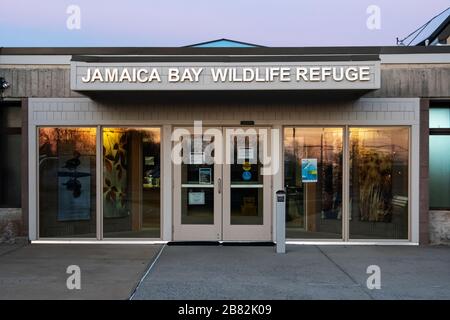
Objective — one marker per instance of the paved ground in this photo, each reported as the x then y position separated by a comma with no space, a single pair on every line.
217,272
305,272
39,271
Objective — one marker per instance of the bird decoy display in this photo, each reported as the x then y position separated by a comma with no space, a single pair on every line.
73,163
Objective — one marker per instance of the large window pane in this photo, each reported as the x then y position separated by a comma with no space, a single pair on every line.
67,182
379,183
131,182
439,171
313,182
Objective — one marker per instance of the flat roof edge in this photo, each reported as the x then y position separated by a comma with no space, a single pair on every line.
225,58
222,51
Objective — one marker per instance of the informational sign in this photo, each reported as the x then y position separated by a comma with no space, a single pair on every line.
149,161
309,170
196,158
305,75
204,175
245,153
246,166
196,198
246,175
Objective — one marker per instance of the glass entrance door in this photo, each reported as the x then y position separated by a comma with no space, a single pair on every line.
197,188
246,195
219,190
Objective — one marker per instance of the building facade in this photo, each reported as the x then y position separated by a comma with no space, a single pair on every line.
191,144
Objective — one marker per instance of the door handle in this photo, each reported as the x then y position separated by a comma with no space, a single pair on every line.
219,185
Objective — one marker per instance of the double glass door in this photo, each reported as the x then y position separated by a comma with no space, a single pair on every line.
220,192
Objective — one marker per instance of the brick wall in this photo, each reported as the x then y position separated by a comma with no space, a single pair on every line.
439,226
11,225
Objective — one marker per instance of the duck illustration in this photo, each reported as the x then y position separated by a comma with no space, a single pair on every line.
73,163
73,185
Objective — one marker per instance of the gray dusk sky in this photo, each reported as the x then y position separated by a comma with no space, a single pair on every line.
275,23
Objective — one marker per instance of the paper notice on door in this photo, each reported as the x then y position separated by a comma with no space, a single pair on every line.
245,153
196,198
196,158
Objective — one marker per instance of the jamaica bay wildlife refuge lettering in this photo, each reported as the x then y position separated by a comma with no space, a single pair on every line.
228,74
305,75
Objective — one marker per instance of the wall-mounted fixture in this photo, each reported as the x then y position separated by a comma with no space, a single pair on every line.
3,86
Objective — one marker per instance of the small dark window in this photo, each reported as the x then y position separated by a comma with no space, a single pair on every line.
10,154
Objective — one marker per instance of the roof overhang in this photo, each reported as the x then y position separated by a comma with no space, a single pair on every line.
168,51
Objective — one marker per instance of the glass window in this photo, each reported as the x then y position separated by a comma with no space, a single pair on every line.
67,182
313,182
440,171
439,118
379,182
439,183
10,162
131,183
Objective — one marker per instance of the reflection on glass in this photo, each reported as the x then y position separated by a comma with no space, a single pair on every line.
246,206
439,172
246,198
313,182
379,183
131,182
67,182
197,183
197,206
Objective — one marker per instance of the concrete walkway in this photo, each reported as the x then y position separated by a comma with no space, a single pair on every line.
223,272
305,272
39,271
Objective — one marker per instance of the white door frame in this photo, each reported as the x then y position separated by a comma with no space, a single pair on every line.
196,232
222,228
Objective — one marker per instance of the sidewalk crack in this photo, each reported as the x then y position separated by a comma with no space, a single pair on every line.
146,273
345,272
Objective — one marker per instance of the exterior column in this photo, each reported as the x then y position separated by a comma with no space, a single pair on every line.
166,183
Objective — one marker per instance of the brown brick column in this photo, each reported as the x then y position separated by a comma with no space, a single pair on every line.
24,166
424,159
